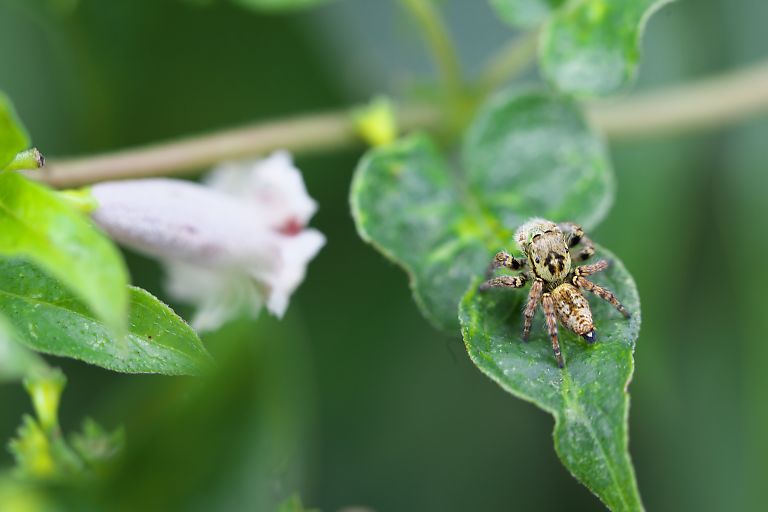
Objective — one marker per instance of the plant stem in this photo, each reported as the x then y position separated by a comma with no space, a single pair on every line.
708,103
440,44
509,62
695,106
307,134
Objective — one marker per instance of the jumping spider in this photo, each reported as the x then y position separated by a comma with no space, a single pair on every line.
547,249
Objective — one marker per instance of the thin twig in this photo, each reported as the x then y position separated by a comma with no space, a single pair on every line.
713,102
440,43
693,106
509,62
307,134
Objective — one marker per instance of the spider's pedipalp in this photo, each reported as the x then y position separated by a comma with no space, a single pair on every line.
601,292
530,308
506,260
517,281
549,314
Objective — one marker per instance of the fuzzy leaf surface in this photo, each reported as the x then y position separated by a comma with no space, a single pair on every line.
38,225
588,398
592,47
48,318
13,136
526,154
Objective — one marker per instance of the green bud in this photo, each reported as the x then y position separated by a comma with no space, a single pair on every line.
45,387
376,122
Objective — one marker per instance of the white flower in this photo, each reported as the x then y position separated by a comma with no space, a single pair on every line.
237,240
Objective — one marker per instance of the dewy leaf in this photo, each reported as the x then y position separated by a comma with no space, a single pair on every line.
592,47
280,5
48,318
525,13
13,136
38,225
526,154
588,398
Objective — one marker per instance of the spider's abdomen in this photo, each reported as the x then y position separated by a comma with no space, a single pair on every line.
573,309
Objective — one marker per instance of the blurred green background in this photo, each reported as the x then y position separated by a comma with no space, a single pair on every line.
354,399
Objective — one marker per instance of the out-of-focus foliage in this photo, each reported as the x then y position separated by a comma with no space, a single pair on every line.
41,227
16,361
49,318
588,47
279,5
588,398
13,136
526,154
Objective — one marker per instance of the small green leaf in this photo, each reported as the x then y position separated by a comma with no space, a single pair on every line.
592,47
526,154
280,5
588,398
525,13
49,318
13,136
95,445
38,225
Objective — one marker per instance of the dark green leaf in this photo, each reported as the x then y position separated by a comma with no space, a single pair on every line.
588,398
280,5
592,47
50,319
525,13
527,154
38,225
13,136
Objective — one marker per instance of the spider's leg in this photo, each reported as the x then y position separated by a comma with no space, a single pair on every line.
601,292
517,281
586,270
530,308
506,260
574,236
549,314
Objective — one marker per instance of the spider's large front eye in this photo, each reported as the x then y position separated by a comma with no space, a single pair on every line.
538,260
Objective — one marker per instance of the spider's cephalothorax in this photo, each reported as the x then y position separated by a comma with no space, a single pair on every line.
547,247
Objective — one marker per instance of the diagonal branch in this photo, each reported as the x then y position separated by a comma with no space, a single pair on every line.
705,104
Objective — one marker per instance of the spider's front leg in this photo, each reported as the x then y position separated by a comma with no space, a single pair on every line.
549,313
601,292
574,236
530,308
517,281
506,260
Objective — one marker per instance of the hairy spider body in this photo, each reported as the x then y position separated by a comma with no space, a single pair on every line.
555,282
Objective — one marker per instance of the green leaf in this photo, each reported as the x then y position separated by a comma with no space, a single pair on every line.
525,13
592,47
588,398
49,318
13,136
280,5
526,154
38,225
16,361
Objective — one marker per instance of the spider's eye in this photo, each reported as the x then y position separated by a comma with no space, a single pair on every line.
538,260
